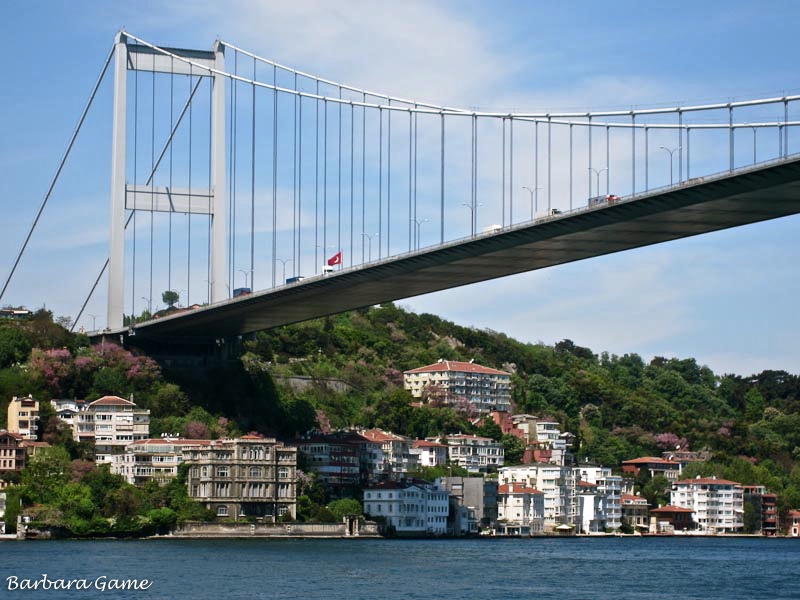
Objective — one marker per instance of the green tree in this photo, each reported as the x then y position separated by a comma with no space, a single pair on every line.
170,298
48,471
345,506
513,449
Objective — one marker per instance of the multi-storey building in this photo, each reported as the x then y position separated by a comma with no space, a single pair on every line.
635,511
112,423
429,454
656,466
67,410
23,417
251,476
608,490
410,507
477,495
474,453
152,459
717,504
520,509
793,523
446,382
559,486
336,458
764,513
15,451
396,453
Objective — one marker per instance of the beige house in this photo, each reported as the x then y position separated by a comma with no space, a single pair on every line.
251,476
111,423
152,459
23,417
447,381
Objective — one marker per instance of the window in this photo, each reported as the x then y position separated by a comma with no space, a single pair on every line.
204,472
283,472
255,472
223,472
222,511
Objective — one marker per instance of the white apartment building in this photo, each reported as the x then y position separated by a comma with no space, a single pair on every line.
447,381
474,453
412,508
67,410
112,423
717,504
608,490
152,459
520,509
556,482
396,452
23,417
429,454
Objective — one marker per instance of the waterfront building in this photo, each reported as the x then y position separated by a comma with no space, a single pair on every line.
793,523
447,382
477,495
15,451
474,453
557,483
668,519
717,504
23,416
656,466
152,459
111,423
520,509
607,489
250,476
764,514
635,512
411,507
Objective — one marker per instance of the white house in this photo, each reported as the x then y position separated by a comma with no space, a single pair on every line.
717,504
412,508
112,423
556,482
474,453
520,509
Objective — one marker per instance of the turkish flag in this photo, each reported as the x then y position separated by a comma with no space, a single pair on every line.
336,259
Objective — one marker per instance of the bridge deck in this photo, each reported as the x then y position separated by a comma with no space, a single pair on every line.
740,198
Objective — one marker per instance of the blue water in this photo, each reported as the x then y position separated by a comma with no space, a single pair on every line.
618,568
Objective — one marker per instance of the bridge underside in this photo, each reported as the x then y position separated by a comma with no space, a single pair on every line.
757,195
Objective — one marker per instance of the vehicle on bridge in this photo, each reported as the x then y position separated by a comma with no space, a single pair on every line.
607,199
243,291
294,279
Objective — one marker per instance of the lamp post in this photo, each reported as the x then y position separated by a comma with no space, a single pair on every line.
597,172
94,328
369,244
418,224
149,305
534,200
754,142
671,152
283,261
246,274
472,210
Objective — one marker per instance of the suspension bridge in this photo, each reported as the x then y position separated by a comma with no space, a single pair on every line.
322,197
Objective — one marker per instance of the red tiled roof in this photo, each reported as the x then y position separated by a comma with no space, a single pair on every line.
378,435
586,484
649,460
426,444
707,481
794,514
465,436
671,509
34,444
112,401
453,365
517,488
633,498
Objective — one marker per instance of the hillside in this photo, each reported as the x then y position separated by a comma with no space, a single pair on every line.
351,365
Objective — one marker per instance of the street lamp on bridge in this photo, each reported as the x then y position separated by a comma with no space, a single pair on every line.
671,152
94,328
418,224
597,172
246,274
369,244
534,199
472,210
283,261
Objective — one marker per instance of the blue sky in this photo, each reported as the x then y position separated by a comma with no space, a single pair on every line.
727,299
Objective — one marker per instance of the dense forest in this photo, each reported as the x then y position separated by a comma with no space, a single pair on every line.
618,407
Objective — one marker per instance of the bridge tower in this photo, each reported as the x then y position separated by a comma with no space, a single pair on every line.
144,196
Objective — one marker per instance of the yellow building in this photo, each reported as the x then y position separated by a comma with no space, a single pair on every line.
23,417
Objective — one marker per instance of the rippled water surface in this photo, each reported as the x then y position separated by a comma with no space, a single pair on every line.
619,568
